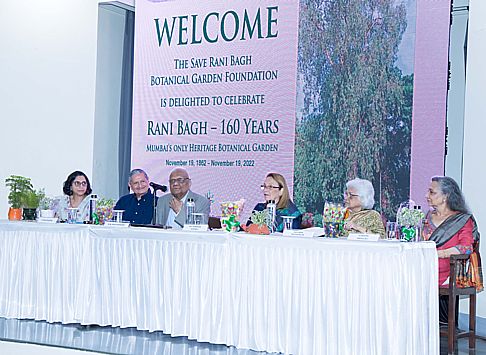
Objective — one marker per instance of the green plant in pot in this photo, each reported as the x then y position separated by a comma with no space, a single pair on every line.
45,206
30,203
18,186
259,223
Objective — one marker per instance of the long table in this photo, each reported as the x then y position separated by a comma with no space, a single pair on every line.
267,293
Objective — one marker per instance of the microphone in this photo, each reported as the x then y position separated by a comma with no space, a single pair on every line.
156,187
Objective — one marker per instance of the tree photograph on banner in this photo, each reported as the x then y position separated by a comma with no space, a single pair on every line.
354,100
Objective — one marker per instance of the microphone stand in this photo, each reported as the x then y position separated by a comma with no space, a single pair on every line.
156,187
154,206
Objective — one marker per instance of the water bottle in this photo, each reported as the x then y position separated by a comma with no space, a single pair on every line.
190,208
271,212
419,225
93,216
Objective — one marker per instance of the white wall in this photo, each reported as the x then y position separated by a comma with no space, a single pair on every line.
456,93
474,158
111,28
47,91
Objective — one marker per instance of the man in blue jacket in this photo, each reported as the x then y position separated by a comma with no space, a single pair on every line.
138,206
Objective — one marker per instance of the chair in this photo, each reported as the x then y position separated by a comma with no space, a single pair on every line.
460,283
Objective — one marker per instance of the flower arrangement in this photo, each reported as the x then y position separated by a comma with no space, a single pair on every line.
307,220
333,213
104,209
232,208
409,217
310,219
230,214
333,219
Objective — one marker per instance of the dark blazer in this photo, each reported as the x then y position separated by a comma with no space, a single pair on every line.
201,202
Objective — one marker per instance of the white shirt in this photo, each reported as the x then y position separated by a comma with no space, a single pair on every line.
63,203
172,215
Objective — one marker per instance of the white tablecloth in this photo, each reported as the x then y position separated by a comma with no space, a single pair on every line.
291,295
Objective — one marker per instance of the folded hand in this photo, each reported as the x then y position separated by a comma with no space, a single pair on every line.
176,205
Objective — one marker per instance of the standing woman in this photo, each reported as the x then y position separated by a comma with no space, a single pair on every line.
76,190
453,228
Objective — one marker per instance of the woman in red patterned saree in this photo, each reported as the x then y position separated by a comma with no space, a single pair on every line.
453,228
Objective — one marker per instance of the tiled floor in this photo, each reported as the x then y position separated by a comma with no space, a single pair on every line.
462,346
108,340
15,333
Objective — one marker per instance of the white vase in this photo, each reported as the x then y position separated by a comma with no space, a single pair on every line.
47,213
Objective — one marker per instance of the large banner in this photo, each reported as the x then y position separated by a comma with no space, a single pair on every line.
215,93
320,91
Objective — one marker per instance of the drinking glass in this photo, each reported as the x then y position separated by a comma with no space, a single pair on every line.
288,222
72,215
392,230
118,215
199,218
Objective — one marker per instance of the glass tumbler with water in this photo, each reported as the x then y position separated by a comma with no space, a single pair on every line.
199,218
288,222
72,215
118,216
392,230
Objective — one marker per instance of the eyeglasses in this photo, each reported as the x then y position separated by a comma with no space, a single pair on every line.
80,183
350,195
269,187
180,181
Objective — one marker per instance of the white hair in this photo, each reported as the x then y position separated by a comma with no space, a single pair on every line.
136,172
365,190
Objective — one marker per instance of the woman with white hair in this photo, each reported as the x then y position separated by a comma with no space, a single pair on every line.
359,200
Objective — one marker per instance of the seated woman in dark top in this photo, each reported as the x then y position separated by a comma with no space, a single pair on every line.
275,189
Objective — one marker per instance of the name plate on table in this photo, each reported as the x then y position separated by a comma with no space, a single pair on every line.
117,224
364,236
195,227
47,220
307,233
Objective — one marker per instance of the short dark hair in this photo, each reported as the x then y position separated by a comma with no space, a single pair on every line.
454,197
66,188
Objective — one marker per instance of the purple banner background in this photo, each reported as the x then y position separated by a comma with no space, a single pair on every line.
275,54
232,183
430,95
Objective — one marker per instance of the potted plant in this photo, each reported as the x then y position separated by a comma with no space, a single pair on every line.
18,186
30,203
259,223
45,206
